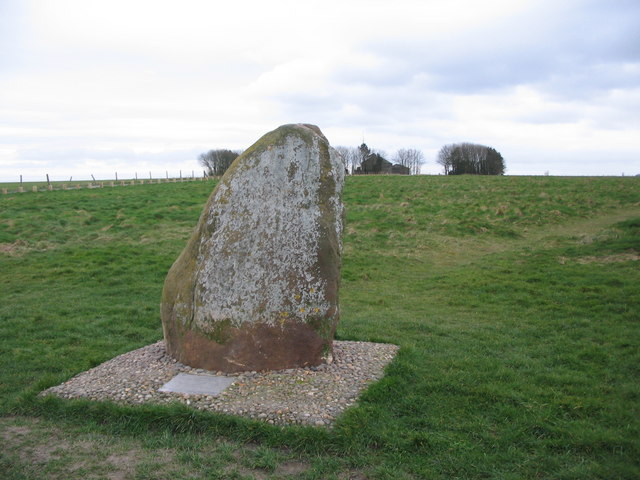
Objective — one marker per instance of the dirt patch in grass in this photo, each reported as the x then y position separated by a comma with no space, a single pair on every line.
287,470
15,431
27,443
123,464
352,475
39,447
15,249
292,469
615,258
603,259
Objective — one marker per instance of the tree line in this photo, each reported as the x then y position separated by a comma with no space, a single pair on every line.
470,158
455,159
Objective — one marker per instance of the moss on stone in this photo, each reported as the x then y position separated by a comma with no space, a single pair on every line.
220,331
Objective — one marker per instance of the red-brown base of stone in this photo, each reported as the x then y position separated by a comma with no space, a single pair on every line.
255,348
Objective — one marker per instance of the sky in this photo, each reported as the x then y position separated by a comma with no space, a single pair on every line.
142,87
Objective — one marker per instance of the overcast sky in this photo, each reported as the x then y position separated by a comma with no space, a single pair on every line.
132,86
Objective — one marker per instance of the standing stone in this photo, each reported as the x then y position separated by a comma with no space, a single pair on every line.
256,288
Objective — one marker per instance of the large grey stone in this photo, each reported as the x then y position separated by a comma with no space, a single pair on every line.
256,288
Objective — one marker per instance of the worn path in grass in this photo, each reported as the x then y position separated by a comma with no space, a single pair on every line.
43,450
465,249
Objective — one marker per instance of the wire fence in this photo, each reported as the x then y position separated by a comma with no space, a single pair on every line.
49,186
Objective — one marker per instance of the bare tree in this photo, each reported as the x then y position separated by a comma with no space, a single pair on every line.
217,161
445,158
350,156
411,158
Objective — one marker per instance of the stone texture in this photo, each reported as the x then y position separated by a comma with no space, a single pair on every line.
256,288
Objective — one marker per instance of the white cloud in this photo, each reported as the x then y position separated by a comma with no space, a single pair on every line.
126,83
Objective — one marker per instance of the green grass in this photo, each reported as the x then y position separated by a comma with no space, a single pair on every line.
515,301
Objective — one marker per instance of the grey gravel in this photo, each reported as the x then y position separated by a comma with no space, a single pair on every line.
305,396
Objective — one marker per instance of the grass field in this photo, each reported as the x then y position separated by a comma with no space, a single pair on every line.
515,301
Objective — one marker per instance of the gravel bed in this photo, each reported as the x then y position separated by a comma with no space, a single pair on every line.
308,396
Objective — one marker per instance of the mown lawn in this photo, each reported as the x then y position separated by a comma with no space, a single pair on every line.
515,301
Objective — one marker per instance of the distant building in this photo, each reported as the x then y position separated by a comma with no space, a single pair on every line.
398,169
377,164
